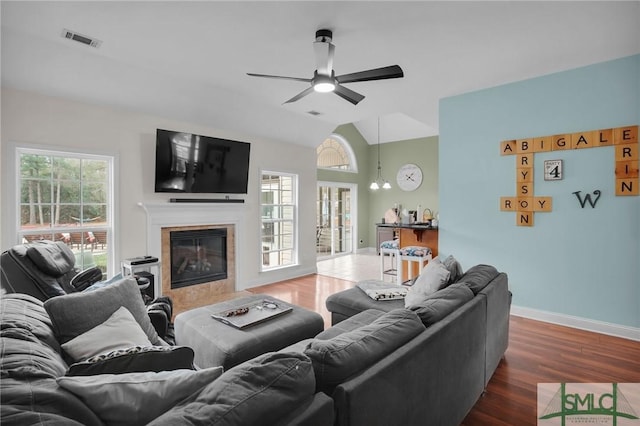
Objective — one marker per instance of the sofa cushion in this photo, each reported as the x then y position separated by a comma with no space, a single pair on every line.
478,277
433,277
454,268
42,402
54,258
77,313
119,331
381,290
336,359
27,343
135,359
353,301
441,303
257,392
29,366
137,398
358,320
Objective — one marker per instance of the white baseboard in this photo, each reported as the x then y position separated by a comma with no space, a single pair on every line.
275,276
366,250
578,322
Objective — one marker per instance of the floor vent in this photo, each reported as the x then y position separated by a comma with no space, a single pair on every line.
72,35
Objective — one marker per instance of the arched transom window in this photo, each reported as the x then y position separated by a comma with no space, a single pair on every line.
335,153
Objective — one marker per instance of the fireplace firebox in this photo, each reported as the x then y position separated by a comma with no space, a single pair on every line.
198,256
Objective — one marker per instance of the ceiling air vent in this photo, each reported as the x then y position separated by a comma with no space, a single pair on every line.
312,112
72,35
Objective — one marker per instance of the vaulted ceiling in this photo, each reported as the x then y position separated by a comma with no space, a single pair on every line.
189,60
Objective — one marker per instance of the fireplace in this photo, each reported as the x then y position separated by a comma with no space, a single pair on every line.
166,218
198,256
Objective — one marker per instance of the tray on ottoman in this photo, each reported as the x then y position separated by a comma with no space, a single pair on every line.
217,344
252,313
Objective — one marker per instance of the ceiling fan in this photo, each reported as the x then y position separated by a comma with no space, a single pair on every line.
324,78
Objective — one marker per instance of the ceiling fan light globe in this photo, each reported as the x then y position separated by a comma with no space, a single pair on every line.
324,87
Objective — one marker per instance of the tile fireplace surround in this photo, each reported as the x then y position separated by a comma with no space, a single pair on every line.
163,218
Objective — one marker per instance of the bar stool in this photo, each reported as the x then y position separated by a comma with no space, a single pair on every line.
390,248
420,255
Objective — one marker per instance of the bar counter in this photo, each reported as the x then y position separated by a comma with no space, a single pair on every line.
409,234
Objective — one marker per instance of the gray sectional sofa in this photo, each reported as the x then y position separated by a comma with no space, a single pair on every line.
379,364
433,377
38,387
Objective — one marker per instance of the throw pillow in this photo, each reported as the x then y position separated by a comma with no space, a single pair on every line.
380,290
76,313
137,398
135,359
120,330
257,392
336,359
478,277
433,277
442,303
454,268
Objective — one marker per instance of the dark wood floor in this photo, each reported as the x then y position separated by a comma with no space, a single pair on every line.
538,353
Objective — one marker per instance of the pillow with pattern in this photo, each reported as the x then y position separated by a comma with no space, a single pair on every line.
135,359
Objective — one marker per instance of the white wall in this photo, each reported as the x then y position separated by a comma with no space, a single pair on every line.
47,122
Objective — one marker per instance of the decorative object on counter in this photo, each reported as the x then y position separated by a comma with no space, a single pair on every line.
380,181
427,215
391,216
409,177
404,216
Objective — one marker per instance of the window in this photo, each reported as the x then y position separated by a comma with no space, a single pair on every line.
335,154
67,197
278,202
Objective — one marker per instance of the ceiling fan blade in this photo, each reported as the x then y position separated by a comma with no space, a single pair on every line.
348,94
392,71
306,80
323,52
302,94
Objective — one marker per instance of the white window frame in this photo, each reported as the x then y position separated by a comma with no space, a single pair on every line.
19,149
353,162
294,221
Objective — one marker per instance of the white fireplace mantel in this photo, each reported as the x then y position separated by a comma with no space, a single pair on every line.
162,215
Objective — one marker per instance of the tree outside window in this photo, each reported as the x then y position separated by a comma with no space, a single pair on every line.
67,197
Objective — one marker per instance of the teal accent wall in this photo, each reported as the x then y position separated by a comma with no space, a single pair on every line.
372,205
582,262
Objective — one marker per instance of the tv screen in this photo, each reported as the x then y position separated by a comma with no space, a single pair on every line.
191,163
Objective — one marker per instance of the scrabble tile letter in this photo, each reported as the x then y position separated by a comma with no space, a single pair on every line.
507,147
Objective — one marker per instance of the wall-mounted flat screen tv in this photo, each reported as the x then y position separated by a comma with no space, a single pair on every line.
191,163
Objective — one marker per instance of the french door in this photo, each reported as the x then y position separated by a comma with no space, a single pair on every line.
335,218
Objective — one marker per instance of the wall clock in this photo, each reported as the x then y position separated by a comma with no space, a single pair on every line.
409,177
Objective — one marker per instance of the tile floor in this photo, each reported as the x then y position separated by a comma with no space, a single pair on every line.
353,267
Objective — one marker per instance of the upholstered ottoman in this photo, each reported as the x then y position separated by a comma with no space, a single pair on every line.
219,344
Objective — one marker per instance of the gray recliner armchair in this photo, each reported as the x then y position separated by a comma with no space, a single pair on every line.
46,269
